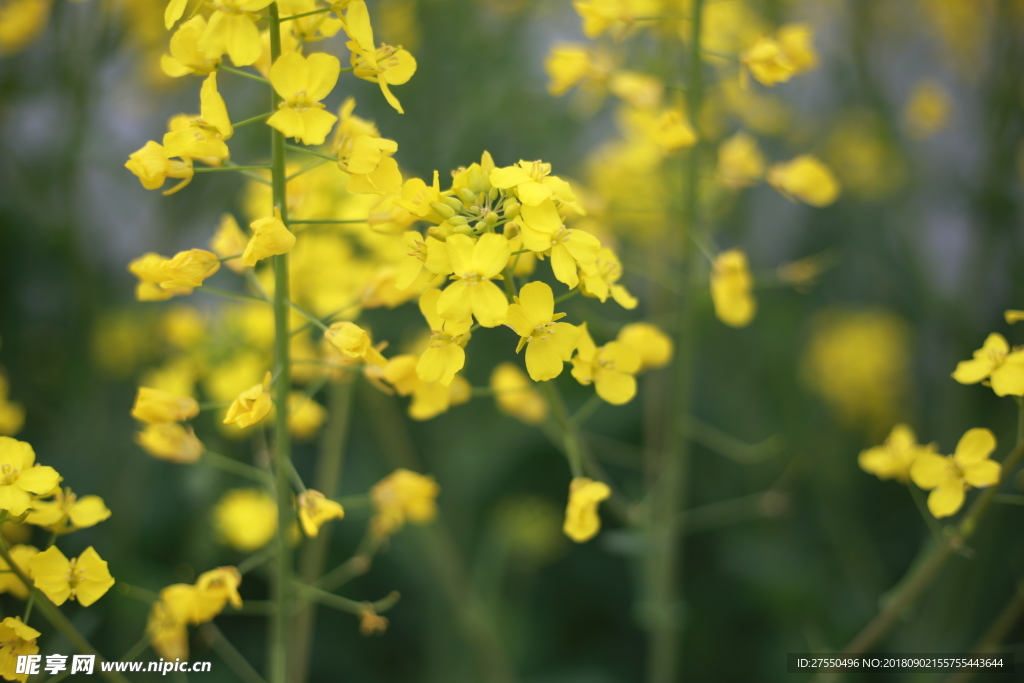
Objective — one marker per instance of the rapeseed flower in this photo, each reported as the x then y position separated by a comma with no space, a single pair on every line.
302,82
949,477
548,343
251,406
21,478
17,639
85,578
581,519
610,368
270,237
315,510
894,458
403,496
474,265
516,396
170,441
996,362
731,289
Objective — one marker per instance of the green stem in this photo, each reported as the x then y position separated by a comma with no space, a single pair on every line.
221,169
282,591
254,119
245,74
304,14
344,604
327,481
669,490
311,152
227,464
330,221
231,656
57,619
568,428
308,316
567,295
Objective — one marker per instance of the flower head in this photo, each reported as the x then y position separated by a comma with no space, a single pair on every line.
354,342
270,237
805,178
548,343
154,406
85,578
403,496
251,406
610,368
516,396
894,458
731,286
474,266
245,519
16,640
302,82
949,477
581,519
994,361
170,441
315,510
21,478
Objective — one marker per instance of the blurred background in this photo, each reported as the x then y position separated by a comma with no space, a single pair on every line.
915,105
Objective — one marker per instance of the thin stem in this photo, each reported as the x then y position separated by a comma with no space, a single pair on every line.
329,221
312,152
567,295
240,469
304,169
256,559
569,431
218,169
996,633
136,649
344,604
222,259
244,74
254,119
231,656
308,316
282,591
304,14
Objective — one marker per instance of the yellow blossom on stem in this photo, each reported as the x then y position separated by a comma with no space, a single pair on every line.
251,406
168,635
766,61
516,396
474,265
445,354
315,510
429,399
949,477
185,56
202,136
245,519
548,343
797,43
403,496
423,252
601,278
21,478
927,111
17,639
386,66
740,161
153,165
302,82
12,414
581,519
214,590
731,286
153,406
148,268
805,178
532,182
305,416
84,578
270,237
9,581
188,269
170,441
66,512
570,249
996,362
649,342
232,31
1012,316
229,240
370,166
894,458
354,342
610,368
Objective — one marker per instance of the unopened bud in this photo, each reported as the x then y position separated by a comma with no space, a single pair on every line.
464,230
458,220
467,195
443,209
511,208
453,202
492,194
491,217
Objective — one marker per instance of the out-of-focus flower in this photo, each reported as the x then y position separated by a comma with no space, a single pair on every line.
153,406
581,519
251,406
928,109
270,237
9,581
516,396
315,510
653,346
230,241
731,289
170,441
740,161
610,368
805,178
245,519
403,496
305,416
12,414
20,22
893,459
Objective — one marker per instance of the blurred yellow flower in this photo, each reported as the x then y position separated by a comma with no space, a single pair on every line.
581,519
9,582
20,22
85,578
731,289
315,510
601,279
893,459
996,362
245,519
185,56
154,406
214,590
928,109
648,341
12,414
229,240
516,396
805,178
740,161
305,416
354,342
403,496
232,31
251,406
302,82
950,476
170,441
429,399
270,237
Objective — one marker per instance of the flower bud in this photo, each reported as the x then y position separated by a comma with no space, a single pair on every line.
454,203
511,208
443,209
467,195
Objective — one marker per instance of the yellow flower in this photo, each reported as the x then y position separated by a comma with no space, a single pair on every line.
204,135
20,477
302,82
155,406
581,519
153,165
370,166
671,131
618,16
601,278
270,238
17,639
386,66
549,343
766,61
245,519
305,416
251,406
424,252
186,57
214,590
232,31
229,240
474,265
315,510
445,355
354,342
542,230
148,268
9,582
1013,316
996,362
927,111
805,178
893,459
569,64
12,415
652,345
66,512
429,399
532,181
950,476
84,578
20,22
188,269
740,162
170,441
610,368
731,286
796,43
516,396
403,496
168,635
